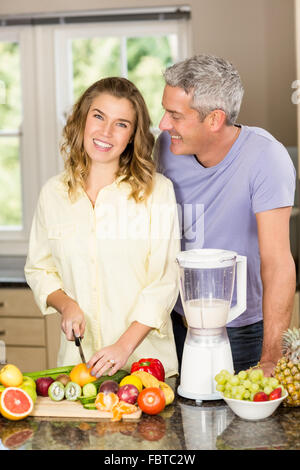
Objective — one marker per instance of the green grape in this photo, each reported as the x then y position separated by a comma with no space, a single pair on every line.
268,389
273,382
247,383
241,390
255,375
234,380
234,390
264,382
238,396
220,379
254,387
227,394
228,386
246,395
242,375
220,387
226,373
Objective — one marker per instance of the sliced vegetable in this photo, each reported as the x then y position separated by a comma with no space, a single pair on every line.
56,391
72,391
89,390
53,373
87,400
151,400
90,406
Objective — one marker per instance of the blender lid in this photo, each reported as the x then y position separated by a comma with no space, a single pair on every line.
206,258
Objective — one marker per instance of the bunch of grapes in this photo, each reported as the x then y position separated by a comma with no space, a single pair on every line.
246,384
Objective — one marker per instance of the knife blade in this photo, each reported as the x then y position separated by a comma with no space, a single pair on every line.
78,344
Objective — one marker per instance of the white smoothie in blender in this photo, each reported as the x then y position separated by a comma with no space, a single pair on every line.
206,313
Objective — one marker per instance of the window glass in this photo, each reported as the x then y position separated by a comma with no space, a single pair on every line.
140,59
10,121
93,59
147,58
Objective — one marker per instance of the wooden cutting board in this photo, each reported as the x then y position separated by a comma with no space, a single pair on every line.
45,407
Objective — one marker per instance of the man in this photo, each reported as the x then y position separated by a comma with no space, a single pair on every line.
240,182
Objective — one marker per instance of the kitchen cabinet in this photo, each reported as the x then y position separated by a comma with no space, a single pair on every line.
31,339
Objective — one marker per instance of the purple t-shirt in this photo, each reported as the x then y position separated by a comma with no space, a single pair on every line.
217,205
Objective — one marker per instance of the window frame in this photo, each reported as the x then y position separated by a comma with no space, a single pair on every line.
45,96
14,241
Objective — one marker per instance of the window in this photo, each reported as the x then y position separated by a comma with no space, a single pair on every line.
43,70
10,135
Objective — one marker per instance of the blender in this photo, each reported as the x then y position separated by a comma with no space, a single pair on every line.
207,280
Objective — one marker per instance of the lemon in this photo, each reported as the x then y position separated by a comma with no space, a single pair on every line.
132,380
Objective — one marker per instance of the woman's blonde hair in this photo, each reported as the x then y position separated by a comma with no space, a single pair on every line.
136,165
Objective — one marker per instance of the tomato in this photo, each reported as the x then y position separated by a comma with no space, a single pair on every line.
81,375
151,400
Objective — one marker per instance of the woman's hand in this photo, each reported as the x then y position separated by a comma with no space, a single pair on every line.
111,358
71,313
115,356
72,319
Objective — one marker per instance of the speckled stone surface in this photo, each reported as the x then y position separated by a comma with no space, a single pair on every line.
181,426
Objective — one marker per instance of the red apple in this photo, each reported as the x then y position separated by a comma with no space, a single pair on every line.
128,393
260,396
276,393
42,385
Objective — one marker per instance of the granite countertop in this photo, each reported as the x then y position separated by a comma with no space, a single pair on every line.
182,426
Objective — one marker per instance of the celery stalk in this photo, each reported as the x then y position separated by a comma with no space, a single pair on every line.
54,373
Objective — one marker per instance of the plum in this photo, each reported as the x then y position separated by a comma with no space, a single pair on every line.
109,386
42,385
128,393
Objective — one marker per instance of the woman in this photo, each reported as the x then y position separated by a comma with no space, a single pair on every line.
104,237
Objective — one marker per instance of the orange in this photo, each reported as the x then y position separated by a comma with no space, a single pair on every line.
81,375
122,408
11,376
132,380
110,402
15,403
106,401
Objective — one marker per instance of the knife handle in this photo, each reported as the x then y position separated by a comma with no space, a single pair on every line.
77,339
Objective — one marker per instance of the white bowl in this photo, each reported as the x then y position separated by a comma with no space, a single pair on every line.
253,410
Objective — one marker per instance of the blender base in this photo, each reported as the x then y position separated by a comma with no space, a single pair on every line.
197,396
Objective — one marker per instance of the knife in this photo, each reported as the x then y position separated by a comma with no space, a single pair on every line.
78,344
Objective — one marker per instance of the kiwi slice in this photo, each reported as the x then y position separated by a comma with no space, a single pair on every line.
72,391
56,391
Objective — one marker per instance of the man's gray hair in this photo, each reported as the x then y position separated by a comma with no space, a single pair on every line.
213,81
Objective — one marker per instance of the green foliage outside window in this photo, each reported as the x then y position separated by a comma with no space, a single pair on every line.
92,59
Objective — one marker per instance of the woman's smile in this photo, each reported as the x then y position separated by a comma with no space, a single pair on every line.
102,146
108,129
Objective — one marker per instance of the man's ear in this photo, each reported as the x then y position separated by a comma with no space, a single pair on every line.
216,119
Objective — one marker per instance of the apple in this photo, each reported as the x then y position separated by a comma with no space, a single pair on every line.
276,393
260,396
128,393
42,385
